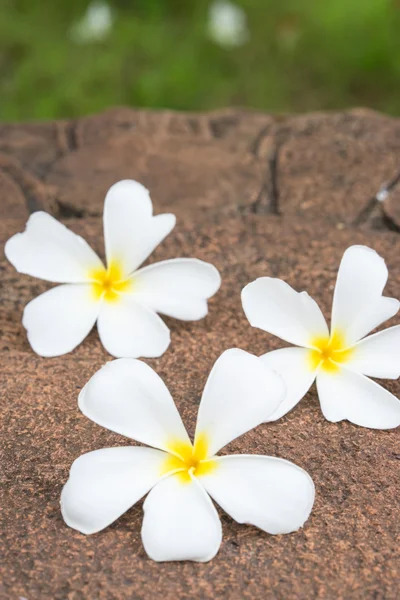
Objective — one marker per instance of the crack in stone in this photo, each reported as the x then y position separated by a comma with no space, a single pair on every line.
258,140
273,167
68,211
267,201
388,188
376,202
365,212
389,223
220,125
13,170
71,136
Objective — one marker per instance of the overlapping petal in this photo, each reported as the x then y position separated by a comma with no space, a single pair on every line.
50,251
272,305
131,232
240,393
128,397
293,365
130,329
352,396
270,493
180,522
378,355
358,305
60,319
104,484
178,288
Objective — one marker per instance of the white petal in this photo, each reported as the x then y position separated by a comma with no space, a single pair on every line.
50,251
352,396
130,231
358,305
384,309
292,364
128,397
178,288
270,493
274,306
104,484
378,355
180,522
60,319
128,329
240,393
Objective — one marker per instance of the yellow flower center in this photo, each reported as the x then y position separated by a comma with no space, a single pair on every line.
329,352
187,460
109,283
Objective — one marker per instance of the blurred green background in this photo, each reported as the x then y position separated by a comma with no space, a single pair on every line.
69,58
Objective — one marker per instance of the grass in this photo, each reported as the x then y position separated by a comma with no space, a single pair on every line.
301,55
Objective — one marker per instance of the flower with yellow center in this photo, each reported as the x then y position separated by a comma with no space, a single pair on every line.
339,361
109,283
328,353
122,299
189,460
181,479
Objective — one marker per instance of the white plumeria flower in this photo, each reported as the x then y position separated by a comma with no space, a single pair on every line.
180,521
123,300
95,25
339,361
227,24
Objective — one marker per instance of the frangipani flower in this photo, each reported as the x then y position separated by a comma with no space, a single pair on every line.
123,300
341,360
227,24
180,521
95,25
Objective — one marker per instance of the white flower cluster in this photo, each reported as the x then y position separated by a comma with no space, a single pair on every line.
126,396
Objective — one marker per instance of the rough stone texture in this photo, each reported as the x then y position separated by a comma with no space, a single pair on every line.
256,195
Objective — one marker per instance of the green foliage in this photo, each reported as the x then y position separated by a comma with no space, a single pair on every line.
301,55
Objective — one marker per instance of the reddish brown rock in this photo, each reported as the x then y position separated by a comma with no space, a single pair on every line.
225,182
